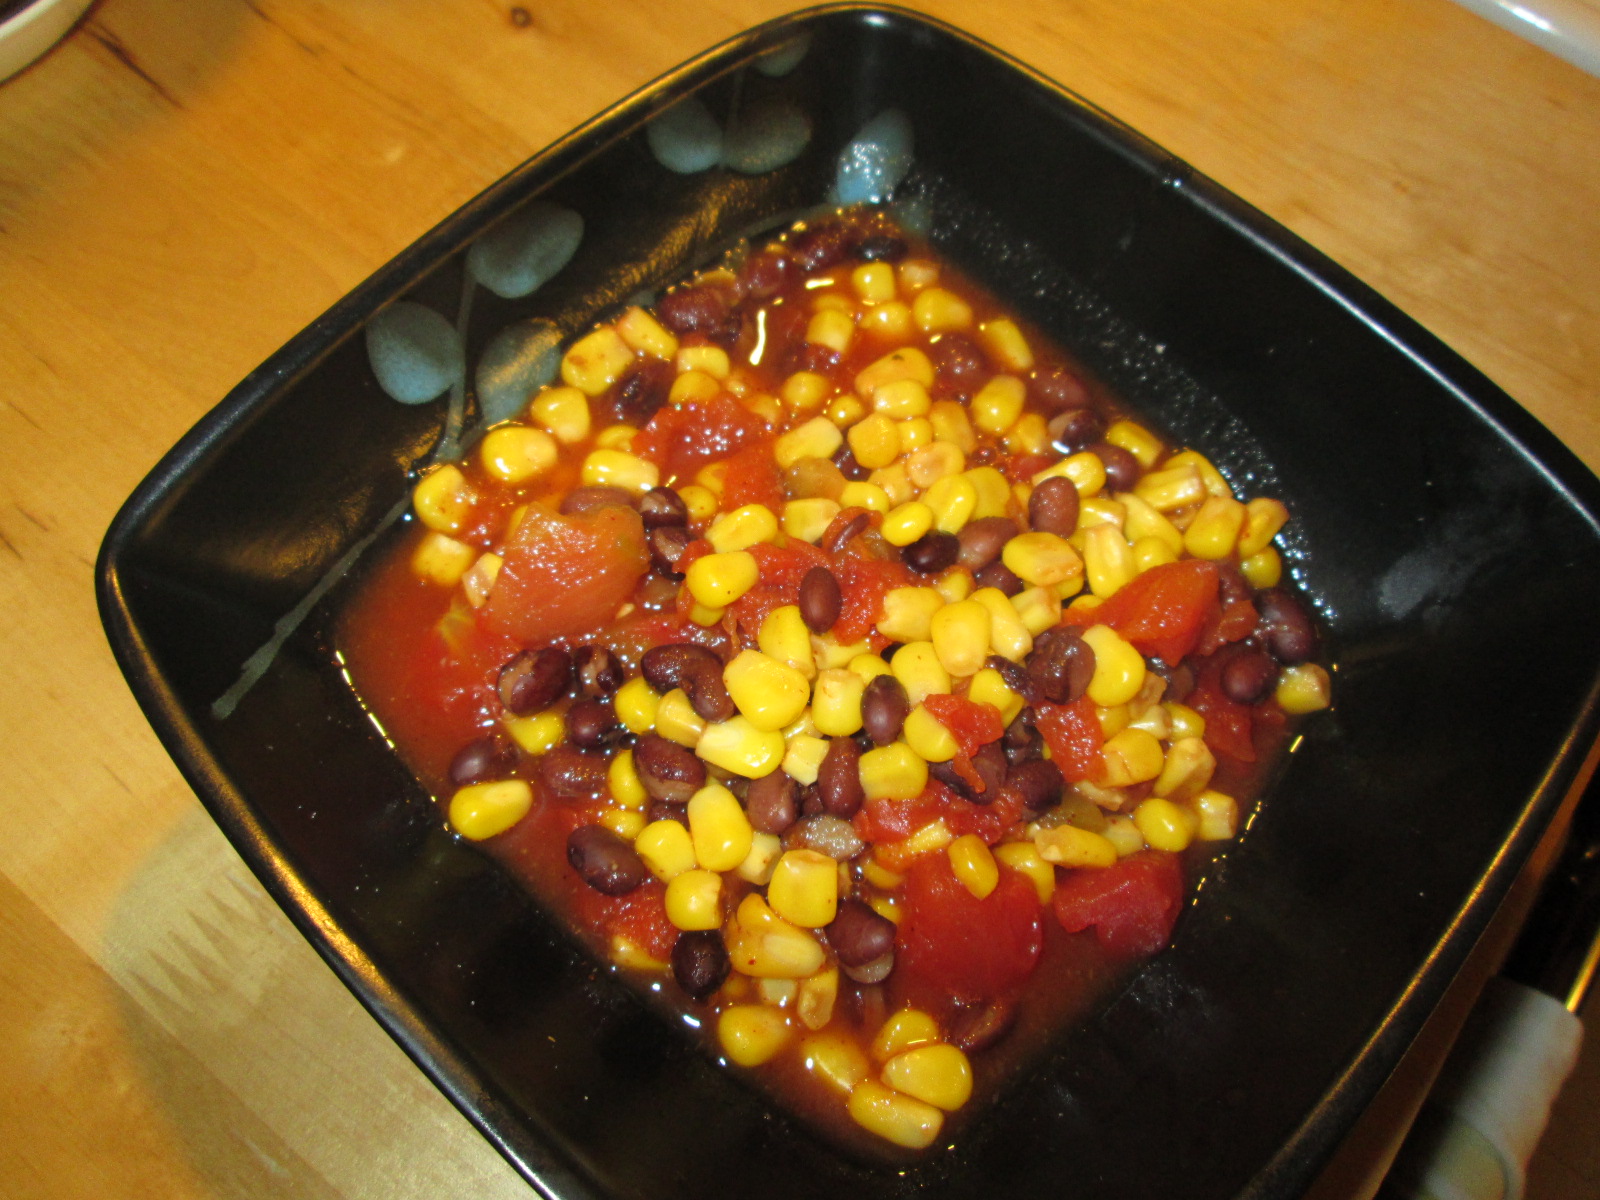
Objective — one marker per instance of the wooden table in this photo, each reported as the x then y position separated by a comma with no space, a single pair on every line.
184,184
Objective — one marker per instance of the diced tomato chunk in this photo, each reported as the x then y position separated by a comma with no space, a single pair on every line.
753,478
1230,728
1163,611
1072,731
682,440
973,949
641,917
973,723
863,583
1131,905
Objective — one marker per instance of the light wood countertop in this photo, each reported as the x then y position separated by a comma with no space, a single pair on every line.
185,184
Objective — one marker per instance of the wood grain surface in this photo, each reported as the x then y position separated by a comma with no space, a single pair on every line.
184,184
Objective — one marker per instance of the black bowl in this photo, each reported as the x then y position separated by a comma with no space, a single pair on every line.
1449,541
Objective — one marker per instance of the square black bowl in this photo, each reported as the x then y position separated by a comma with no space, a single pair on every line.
1449,541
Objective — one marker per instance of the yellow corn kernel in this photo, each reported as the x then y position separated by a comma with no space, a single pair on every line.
757,865
1006,344
992,490
443,499
908,362
988,686
805,888
906,523
627,953
1171,487
562,412
616,437
869,667
593,363
1123,835
618,468
1029,435
538,733
1214,532
763,945
746,526
880,876
717,580
835,1059
779,993
441,559
894,483
974,866
928,737
739,746
804,390
700,501
915,274
1263,569
817,996
784,637
1038,608
936,310
875,441
622,779
1142,520
1188,769
693,387
901,398
1084,469
708,360
952,499
1217,814
951,424
1042,559
1101,510
1112,720
1008,634
703,616
1118,668
1025,857
830,654
998,403
517,453
1303,688
1151,552
1070,846
874,282
1107,560
694,899
861,494
771,694
1132,756
1136,440
898,856
751,1034
894,1116
830,300
666,849
626,823
939,1075
677,721
836,703
816,438
831,328
892,772
807,520
904,1030
803,755
913,433
645,334
763,405
1263,518
916,665
1165,825
937,460
960,636
481,810
1215,484
954,585
720,831
889,321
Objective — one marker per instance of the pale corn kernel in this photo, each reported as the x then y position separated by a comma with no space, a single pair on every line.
998,403
1025,858
1070,846
974,866
517,453
916,665
804,390
900,398
713,477
836,702
1038,608
906,523
677,721
1187,770
1217,816
886,907
784,636
1029,435
903,1120
746,526
807,520
904,1030
818,994
694,900
805,888
1149,552
892,772
700,501
1132,756
890,321
616,437
1165,825
858,493
717,580
875,441
757,865
1084,469
1136,440
894,482
764,406
835,1059
562,412
737,745
915,274
908,362
817,438
1169,488
771,694
718,828
708,360
831,328
1112,720
960,636
665,847
693,387
1101,510
1263,518
829,300
1186,722
935,461
1142,520
993,491
804,725
898,856
627,823
1107,560
1009,636
647,335
954,585
537,734
1215,484
869,667
927,737
480,577
874,282
936,310
443,499
803,754
618,468
1118,668
751,1034
1303,688
1123,835
988,686
594,362
1043,559
953,500
1007,345
780,993
763,945
622,780
481,810
879,876
829,654
939,1075
440,559
1263,569
951,424
1149,716
630,955
1214,532
913,433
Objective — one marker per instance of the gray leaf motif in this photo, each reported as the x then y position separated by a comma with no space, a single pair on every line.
414,352
785,57
522,358
526,250
875,161
767,135
686,138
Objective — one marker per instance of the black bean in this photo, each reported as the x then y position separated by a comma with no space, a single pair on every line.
1013,673
693,310
1122,468
658,593
695,669
479,760
1286,626
605,860
875,971
667,770
998,575
982,540
599,671
1249,675
1059,666
813,357
820,246
884,705
533,679
1038,781
820,599
665,810
588,499
881,247
667,544
839,778
765,274
699,962
934,551
1232,586
568,771
858,934
592,724
975,1029
845,459
1076,429
663,506
834,540
638,393
772,803
960,365
1022,741
1058,390
990,763
1053,507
